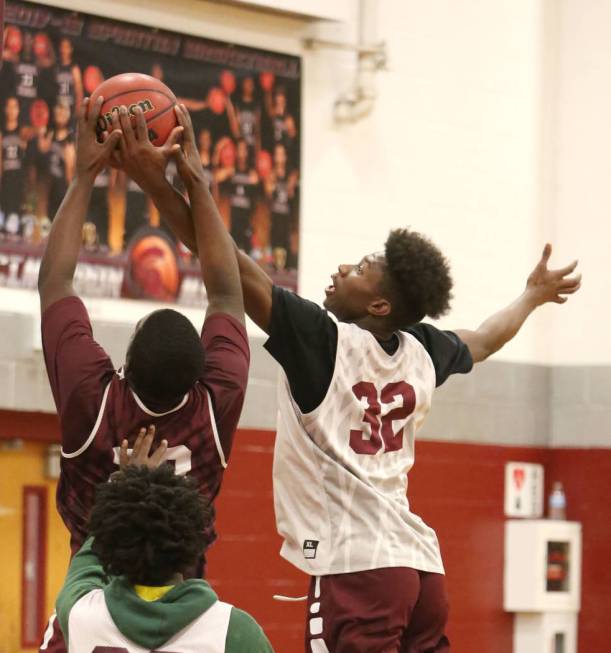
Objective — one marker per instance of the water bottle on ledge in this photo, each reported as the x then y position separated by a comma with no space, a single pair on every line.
557,502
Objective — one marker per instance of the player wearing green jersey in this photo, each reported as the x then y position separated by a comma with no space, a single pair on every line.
125,591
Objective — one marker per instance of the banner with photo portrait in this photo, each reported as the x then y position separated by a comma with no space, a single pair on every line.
245,106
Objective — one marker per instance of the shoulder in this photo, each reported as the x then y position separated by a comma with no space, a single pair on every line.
225,325
448,352
287,303
245,634
66,308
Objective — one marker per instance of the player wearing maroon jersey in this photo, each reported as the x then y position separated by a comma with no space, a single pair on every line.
190,388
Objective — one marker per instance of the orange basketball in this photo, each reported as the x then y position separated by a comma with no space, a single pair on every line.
92,78
132,90
153,269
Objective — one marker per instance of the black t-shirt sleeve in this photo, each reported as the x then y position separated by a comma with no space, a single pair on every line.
303,339
448,352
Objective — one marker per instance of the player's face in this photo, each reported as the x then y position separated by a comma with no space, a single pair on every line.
280,155
11,110
242,152
65,50
157,71
280,103
61,114
248,86
204,140
354,287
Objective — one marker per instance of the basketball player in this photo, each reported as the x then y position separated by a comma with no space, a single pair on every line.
247,124
190,388
240,182
68,78
58,147
280,190
99,206
117,598
12,168
359,379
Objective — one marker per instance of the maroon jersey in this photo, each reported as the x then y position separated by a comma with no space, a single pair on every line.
97,409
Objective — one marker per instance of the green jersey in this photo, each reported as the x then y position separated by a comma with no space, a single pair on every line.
99,614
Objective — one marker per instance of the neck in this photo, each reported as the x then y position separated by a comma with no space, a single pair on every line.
378,330
11,124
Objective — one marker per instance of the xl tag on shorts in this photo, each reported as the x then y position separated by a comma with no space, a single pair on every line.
309,548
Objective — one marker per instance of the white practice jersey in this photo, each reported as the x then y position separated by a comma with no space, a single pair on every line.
340,471
91,629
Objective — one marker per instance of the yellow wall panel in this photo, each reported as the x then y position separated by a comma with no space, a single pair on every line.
20,466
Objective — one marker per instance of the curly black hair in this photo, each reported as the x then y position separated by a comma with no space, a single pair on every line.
416,278
165,356
149,524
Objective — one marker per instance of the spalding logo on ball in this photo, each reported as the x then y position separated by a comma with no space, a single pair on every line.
137,90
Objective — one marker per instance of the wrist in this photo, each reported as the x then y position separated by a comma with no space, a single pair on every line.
197,185
84,177
532,298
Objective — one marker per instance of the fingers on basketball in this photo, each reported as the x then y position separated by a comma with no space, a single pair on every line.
142,132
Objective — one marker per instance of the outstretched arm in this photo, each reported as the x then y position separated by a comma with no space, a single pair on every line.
145,163
61,254
215,247
543,286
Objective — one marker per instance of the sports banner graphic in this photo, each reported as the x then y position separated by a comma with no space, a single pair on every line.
245,106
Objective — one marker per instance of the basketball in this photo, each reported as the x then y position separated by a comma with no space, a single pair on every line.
267,79
135,89
153,269
92,78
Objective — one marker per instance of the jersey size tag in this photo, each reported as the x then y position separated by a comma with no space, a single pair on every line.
309,548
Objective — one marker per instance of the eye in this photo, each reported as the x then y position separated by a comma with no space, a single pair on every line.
358,268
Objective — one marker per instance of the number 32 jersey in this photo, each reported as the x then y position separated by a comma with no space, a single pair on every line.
340,471
349,409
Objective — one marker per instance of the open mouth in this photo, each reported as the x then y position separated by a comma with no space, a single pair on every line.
330,290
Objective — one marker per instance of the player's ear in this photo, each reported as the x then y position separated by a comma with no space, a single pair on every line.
379,307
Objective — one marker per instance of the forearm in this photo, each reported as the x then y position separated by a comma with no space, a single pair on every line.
499,328
215,246
61,254
175,210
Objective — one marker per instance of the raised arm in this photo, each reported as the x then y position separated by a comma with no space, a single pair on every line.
543,286
145,164
215,247
59,259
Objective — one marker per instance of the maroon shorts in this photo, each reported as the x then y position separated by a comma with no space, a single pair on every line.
53,638
390,610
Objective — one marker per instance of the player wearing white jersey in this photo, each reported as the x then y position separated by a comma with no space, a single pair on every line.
125,590
359,378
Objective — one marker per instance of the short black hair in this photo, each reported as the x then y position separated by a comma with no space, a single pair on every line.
165,357
149,524
416,278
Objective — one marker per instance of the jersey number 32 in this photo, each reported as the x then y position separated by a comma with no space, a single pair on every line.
381,426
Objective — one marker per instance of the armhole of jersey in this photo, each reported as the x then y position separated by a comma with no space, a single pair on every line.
215,432
96,426
313,412
425,350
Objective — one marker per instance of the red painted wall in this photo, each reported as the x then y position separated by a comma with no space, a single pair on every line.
456,488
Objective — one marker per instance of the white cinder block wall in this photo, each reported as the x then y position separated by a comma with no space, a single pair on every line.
489,133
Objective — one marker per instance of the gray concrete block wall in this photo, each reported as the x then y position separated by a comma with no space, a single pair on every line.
497,403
